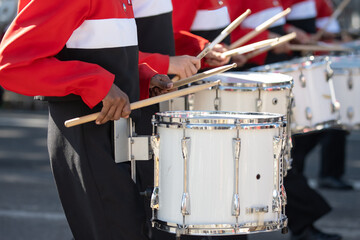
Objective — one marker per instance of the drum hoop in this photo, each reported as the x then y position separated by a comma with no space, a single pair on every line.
292,65
264,87
222,126
221,229
250,86
227,120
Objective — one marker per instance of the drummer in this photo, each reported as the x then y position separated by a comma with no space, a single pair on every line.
333,142
260,12
200,20
88,66
324,10
300,221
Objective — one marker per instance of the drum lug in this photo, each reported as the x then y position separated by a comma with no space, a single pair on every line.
185,201
350,112
308,113
154,202
277,142
350,81
278,146
236,205
236,199
329,72
335,106
217,100
185,204
258,104
283,195
276,201
302,80
217,103
155,144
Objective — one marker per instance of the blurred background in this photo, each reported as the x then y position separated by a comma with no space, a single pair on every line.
29,205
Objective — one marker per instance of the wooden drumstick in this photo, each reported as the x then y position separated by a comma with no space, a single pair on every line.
282,40
203,75
331,48
250,47
224,33
146,102
259,29
335,15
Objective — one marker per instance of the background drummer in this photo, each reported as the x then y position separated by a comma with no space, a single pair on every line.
204,19
304,208
260,12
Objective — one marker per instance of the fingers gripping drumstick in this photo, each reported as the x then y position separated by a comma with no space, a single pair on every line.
203,75
234,24
144,103
224,34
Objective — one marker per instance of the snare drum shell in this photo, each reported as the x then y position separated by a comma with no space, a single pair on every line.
211,180
315,95
349,98
250,92
312,106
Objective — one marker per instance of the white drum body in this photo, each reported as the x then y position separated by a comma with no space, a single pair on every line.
246,92
218,172
314,104
347,88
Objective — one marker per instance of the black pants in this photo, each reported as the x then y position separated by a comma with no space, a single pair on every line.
305,205
100,200
333,153
1,95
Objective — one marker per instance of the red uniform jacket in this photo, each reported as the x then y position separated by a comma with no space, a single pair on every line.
324,11
260,12
205,19
82,53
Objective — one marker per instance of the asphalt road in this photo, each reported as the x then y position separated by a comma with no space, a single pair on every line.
30,208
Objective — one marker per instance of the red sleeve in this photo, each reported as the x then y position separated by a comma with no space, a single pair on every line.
27,62
145,75
157,61
187,43
324,8
190,44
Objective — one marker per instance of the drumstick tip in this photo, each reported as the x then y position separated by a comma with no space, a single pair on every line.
69,123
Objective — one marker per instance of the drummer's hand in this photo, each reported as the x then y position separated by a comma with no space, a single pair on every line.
160,84
215,58
116,105
301,36
239,59
282,48
184,66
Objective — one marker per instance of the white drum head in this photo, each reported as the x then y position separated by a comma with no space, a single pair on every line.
292,65
246,80
217,119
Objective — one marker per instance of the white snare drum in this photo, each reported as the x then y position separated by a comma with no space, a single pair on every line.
246,92
218,173
347,88
315,106
355,45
